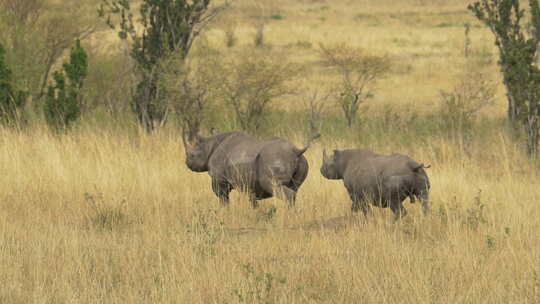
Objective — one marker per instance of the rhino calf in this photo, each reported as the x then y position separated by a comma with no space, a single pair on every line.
384,180
236,160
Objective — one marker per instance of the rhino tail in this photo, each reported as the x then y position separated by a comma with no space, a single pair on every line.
310,141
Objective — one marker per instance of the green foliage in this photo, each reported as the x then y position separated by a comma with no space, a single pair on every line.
11,99
518,59
64,100
277,17
169,27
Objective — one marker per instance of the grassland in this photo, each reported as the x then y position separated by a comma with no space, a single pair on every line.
102,216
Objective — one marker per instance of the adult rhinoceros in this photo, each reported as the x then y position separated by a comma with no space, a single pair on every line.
236,160
384,180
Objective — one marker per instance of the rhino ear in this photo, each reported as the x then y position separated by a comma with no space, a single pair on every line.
188,147
417,167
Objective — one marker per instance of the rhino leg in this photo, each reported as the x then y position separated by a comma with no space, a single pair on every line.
222,190
425,207
424,200
280,191
286,194
300,174
359,202
361,205
253,201
289,195
398,209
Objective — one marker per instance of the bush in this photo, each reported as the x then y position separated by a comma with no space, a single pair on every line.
169,27
11,99
63,104
459,108
191,85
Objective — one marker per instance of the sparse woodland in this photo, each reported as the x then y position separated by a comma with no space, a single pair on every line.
97,205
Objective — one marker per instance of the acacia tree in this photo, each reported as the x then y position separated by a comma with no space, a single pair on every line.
358,72
251,82
518,52
168,27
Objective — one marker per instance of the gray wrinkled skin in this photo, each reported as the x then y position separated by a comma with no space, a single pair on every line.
384,180
236,160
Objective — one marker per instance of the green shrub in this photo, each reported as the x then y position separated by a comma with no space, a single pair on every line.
517,37
277,17
11,99
63,103
169,27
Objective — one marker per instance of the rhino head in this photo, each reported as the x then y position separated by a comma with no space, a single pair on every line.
330,168
198,151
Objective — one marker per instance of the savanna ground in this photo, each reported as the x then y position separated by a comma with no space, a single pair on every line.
108,214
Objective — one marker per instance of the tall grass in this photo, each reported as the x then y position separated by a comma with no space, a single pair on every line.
108,214
96,216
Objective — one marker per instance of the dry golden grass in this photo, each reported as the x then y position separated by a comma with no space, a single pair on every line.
100,217
424,39
96,217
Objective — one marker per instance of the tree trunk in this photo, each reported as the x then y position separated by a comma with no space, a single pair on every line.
513,109
350,121
532,129
532,137
149,106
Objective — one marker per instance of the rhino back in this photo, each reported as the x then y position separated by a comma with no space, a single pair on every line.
371,172
278,160
234,160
